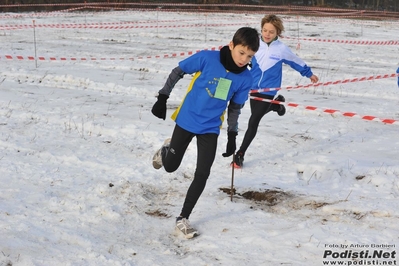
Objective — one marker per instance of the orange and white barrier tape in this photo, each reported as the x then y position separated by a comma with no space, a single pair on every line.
94,25
344,81
331,111
54,58
392,42
111,27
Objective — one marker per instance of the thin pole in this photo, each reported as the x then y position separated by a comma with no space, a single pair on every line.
206,27
157,21
34,41
232,180
298,46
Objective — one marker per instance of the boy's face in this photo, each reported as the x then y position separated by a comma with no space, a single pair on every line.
241,55
269,32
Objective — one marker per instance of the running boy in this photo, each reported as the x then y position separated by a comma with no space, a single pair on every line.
221,79
267,71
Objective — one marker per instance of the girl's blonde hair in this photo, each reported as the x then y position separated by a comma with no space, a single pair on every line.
276,21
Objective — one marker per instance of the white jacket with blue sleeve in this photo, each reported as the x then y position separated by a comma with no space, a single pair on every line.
267,65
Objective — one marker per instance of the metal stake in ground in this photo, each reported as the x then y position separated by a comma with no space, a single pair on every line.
34,41
232,180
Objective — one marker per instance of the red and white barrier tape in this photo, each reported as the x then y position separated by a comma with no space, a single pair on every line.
332,111
344,41
52,58
104,4
111,27
98,24
132,25
324,20
344,81
43,58
231,8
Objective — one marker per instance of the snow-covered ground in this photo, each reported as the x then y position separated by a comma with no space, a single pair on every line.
77,138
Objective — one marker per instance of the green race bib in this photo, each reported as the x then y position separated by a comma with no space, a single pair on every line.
222,90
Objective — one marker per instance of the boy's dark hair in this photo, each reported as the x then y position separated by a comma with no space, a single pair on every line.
247,37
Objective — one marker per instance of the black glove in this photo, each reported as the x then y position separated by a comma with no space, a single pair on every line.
159,108
231,144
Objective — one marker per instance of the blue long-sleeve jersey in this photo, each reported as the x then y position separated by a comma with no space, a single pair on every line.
267,65
210,91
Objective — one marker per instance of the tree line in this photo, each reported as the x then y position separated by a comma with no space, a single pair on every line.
386,5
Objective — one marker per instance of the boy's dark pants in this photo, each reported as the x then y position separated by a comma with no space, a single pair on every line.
206,151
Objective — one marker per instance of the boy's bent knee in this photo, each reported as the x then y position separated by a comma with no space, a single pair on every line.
170,169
